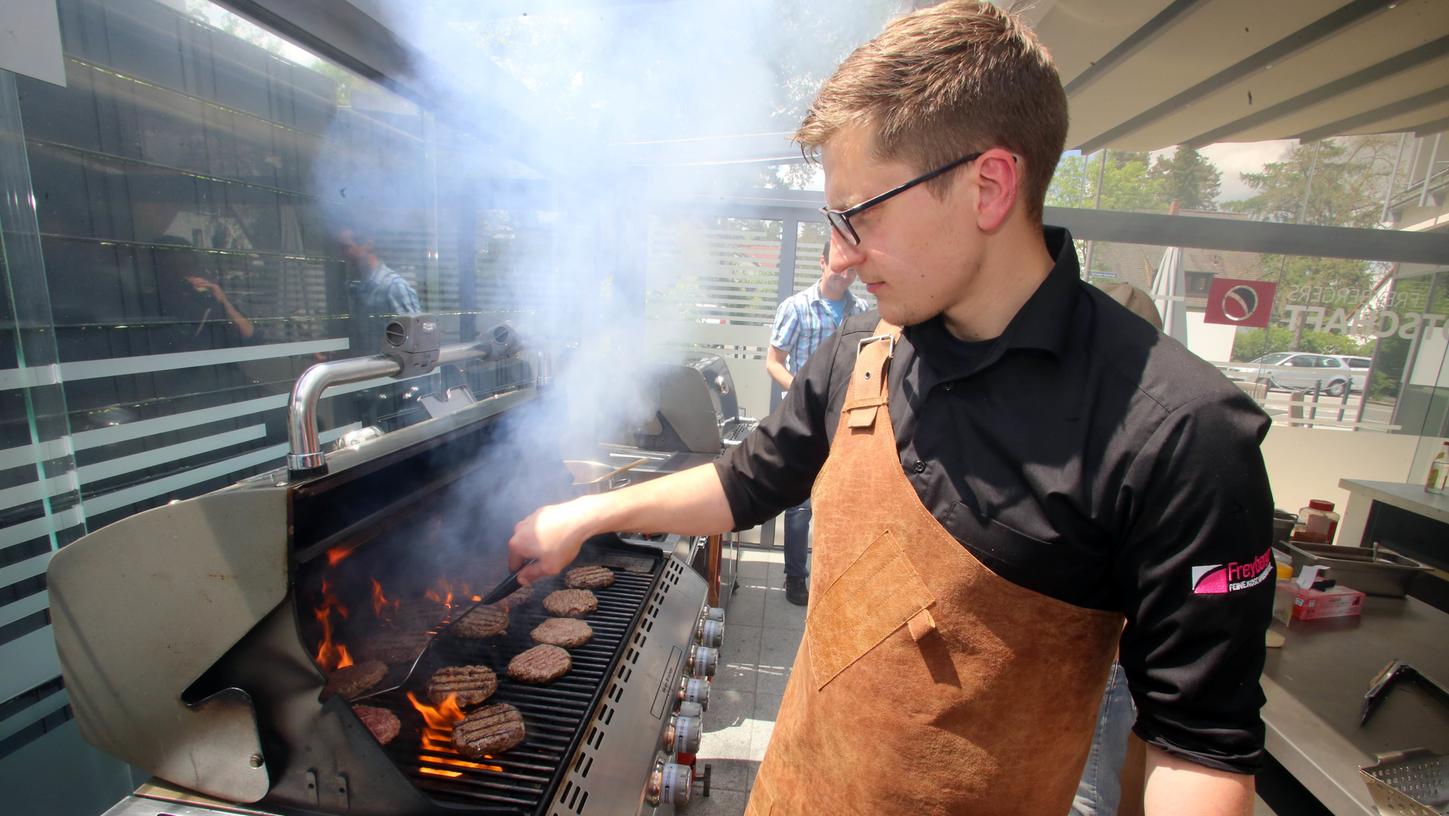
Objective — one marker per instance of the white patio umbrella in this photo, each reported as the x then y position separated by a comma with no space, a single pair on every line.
1169,291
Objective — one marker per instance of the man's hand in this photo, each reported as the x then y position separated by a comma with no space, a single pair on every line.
552,536
1177,787
691,502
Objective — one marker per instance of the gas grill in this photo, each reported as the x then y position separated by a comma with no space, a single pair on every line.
196,638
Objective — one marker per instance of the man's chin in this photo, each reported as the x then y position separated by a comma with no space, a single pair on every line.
899,315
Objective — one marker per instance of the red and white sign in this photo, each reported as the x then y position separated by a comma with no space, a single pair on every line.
1240,302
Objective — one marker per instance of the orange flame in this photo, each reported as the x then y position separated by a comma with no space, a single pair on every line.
460,763
441,718
330,656
437,737
381,602
337,554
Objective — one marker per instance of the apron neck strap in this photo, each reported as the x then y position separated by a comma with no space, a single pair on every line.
867,391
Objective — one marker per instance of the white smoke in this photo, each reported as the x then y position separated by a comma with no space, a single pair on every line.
582,120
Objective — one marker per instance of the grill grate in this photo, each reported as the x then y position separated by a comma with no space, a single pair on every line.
522,781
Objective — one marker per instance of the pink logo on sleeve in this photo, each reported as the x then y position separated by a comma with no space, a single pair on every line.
1220,579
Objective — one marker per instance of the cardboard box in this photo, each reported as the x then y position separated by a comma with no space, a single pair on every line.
1334,602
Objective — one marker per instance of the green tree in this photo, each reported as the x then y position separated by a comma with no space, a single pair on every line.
1125,183
1187,177
1332,183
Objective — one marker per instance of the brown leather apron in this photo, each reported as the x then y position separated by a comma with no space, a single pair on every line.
924,683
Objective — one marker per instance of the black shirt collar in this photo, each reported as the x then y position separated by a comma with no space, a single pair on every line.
1044,322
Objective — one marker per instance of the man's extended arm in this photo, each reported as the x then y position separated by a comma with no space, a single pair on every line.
691,502
775,364
1177,787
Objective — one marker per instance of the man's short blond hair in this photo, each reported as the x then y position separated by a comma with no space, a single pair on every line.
944,82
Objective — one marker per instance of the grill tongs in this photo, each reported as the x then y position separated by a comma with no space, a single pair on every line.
506,587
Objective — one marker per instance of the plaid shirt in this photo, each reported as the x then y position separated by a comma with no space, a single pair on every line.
386,292
804,320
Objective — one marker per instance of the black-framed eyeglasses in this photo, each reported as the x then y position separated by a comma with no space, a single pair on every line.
840,219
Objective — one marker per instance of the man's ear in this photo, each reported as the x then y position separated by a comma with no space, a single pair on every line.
998,176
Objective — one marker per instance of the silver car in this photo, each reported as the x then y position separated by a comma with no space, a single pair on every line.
1296,370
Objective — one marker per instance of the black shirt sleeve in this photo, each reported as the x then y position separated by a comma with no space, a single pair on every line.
1197,577
774,468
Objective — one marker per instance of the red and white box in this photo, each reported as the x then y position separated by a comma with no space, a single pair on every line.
1334,602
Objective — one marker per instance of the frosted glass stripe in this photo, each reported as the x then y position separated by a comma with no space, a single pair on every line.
140,461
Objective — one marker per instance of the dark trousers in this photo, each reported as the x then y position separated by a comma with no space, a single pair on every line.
797,540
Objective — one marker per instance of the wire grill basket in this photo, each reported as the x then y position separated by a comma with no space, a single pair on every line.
1409,783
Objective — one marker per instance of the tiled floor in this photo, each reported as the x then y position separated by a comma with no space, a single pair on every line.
762,632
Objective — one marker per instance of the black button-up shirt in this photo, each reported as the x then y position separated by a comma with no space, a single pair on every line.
1086,456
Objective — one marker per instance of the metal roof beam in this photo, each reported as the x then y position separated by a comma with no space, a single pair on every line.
1131,45
1304,37
1380,113
1427,52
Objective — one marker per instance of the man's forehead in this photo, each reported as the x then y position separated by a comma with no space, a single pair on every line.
853,171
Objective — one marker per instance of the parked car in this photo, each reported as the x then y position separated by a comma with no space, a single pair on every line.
1359,367
1298,370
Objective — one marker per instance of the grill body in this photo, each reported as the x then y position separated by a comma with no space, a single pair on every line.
189,638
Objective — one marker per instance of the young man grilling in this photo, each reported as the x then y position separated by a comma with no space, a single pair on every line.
997,485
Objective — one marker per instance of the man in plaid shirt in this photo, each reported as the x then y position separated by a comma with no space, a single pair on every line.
802,322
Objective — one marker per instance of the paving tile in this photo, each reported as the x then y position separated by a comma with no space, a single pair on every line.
730,774
752,568
727,735
767,706
760,738
728,708
746,606
777,655
741,643
780,613
736,677
718,803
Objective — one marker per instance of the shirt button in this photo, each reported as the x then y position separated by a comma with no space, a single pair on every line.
920,467
948,386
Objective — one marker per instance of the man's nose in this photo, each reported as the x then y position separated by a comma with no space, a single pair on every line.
844,256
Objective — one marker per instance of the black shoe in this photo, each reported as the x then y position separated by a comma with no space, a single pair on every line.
797,590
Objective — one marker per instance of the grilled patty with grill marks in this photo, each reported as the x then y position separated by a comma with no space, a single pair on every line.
355,680
571,603
382,723
469,685
594,577
565,632
541,664
491,729
483,622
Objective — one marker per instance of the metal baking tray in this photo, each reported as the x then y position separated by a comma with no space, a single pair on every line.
1372,572
1409,783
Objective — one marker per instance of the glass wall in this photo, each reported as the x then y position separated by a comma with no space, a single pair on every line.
200,214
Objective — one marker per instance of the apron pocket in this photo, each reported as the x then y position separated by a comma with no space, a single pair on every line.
876,595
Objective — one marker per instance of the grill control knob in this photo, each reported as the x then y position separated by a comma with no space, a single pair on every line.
682,734
714,613
690,710
694,690
668,784
703,661
710,633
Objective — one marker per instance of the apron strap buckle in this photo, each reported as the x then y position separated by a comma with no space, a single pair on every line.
868,390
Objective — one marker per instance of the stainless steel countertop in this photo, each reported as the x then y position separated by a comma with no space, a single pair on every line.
1315,686
1411,497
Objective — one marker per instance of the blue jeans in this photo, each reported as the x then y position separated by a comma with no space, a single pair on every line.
797,540
1100,791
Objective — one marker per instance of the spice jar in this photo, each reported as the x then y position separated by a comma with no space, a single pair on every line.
1316,523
